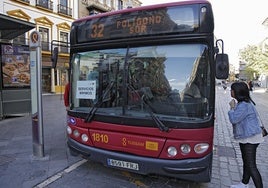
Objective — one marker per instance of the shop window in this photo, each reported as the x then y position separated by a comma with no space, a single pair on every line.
15,66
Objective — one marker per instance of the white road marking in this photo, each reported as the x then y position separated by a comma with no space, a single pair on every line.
60,174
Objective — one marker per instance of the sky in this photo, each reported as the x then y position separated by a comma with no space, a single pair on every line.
237,22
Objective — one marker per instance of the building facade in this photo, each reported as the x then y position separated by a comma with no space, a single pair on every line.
53,19
263,79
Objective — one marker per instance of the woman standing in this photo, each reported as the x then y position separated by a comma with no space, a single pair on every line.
247,131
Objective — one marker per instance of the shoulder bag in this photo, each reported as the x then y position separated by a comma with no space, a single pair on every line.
264,131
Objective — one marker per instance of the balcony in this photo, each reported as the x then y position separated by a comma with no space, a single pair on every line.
65,10
45,4
95,6
45,46
63,48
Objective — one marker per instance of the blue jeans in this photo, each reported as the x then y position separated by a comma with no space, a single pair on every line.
249,164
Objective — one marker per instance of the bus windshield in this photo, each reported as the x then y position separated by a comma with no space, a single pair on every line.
171,81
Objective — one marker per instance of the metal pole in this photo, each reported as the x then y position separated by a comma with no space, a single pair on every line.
36,94
39,103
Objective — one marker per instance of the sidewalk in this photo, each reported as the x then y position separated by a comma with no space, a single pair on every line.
18,166
227,159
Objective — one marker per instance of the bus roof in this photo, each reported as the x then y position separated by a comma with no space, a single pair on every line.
148,7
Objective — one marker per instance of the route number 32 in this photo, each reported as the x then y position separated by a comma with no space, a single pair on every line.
97,31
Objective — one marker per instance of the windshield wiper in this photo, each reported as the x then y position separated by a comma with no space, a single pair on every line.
99,103
147,95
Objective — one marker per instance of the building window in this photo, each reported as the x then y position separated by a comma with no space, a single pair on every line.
44,32
64,9
108,3
45,4
112,4
120,4
64,3
25,1
64,42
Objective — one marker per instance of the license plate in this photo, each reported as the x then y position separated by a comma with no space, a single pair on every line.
123,164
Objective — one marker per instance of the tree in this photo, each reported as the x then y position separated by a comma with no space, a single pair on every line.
257,62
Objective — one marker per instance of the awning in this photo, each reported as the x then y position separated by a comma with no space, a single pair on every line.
11,28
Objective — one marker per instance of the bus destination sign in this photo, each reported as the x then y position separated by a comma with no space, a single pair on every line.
138,23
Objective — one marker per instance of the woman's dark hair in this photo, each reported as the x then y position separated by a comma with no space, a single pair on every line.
241,92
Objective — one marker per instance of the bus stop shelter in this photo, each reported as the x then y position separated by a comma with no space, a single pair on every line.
11,27
14,99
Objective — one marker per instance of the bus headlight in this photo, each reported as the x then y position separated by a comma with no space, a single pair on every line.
84,138
201,148
185,148
172,151
69,130
76,133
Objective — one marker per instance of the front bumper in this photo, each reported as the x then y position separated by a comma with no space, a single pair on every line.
198,170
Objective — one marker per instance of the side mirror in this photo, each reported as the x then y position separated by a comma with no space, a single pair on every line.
54,57
222,66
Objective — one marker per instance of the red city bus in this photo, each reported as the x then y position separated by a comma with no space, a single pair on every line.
142,89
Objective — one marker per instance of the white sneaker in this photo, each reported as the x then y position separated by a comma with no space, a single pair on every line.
240,185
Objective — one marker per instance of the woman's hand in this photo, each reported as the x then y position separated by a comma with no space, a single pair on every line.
232,104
